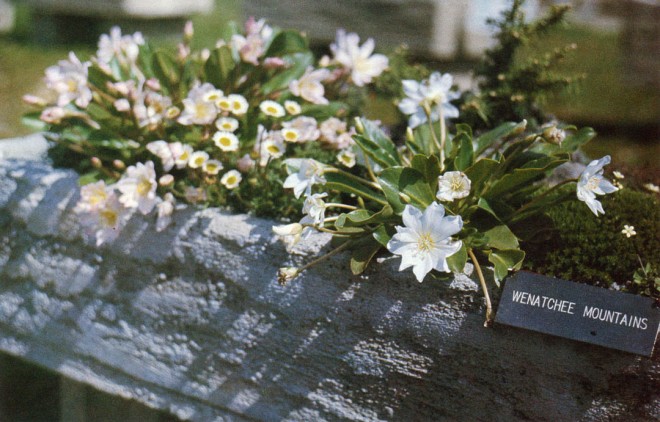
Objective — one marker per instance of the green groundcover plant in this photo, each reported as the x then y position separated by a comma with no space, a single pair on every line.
258,124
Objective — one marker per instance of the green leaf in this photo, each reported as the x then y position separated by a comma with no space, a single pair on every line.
484,205
403,185
520,177
363,252
429,166
505,260
348,185
98,78
87,178
287,42
33,121
487,139
298,63
501,237
578,139
219,66
383,234
324,111
166,69
363,217
479,172
457,261
465,155
377,145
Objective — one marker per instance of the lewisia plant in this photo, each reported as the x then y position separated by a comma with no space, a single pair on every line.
149,128
439,199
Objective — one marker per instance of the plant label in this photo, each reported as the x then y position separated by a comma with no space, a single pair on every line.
580,312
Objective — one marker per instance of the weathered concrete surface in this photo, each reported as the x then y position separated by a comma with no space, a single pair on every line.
191,320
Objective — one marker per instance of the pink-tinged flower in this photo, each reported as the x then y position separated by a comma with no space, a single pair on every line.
309,85
151,108
138,187
424,242
359,61
434,93
307,128
245,164
169,153
198,109
592,183
124,48
69,80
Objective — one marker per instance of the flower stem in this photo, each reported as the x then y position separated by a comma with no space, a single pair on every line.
489,306
326,256
538,198
338,205
352,176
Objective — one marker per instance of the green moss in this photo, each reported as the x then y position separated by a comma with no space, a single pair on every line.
593,250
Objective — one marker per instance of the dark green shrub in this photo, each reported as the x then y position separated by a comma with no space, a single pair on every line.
593,250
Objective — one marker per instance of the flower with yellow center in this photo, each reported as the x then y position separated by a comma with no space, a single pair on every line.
290,135
347,158
138,187
453,185
239,105
212,167
292,107
226,141
227,124
92,196
231,179
197,159
271,108
424,242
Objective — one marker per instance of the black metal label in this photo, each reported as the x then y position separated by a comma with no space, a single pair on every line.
580,312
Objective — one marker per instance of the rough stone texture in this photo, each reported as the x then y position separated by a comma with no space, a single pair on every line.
192,321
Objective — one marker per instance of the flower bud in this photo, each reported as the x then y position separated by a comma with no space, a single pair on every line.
245,164
554,135
520,128
34,100
153,84
96,162
188,32
118,164
359,127
286,274
410,136
166,180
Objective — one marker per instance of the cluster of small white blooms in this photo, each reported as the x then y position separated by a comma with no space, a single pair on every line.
124,48
69,80
105,209
303,174
433,94
251,47
199,106
359,61
592,183
310,87
314,209
270,145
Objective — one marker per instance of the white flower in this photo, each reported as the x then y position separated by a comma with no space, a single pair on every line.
212,167
69,80
271,148
197,159
238,104
227,124
628,230
165,209
150,109
138,187
231,179
453,185
434,93
424,242
166,180
308,172
271,108
124,48
93,196
307,128
347,158
358,60
182,155
53,115
290,134
651,187
197,110
245,164
213,95
168,153
226,141
107,221
592,183
290,233
122,105
292,107
331,128
314,208
309,85
252,46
